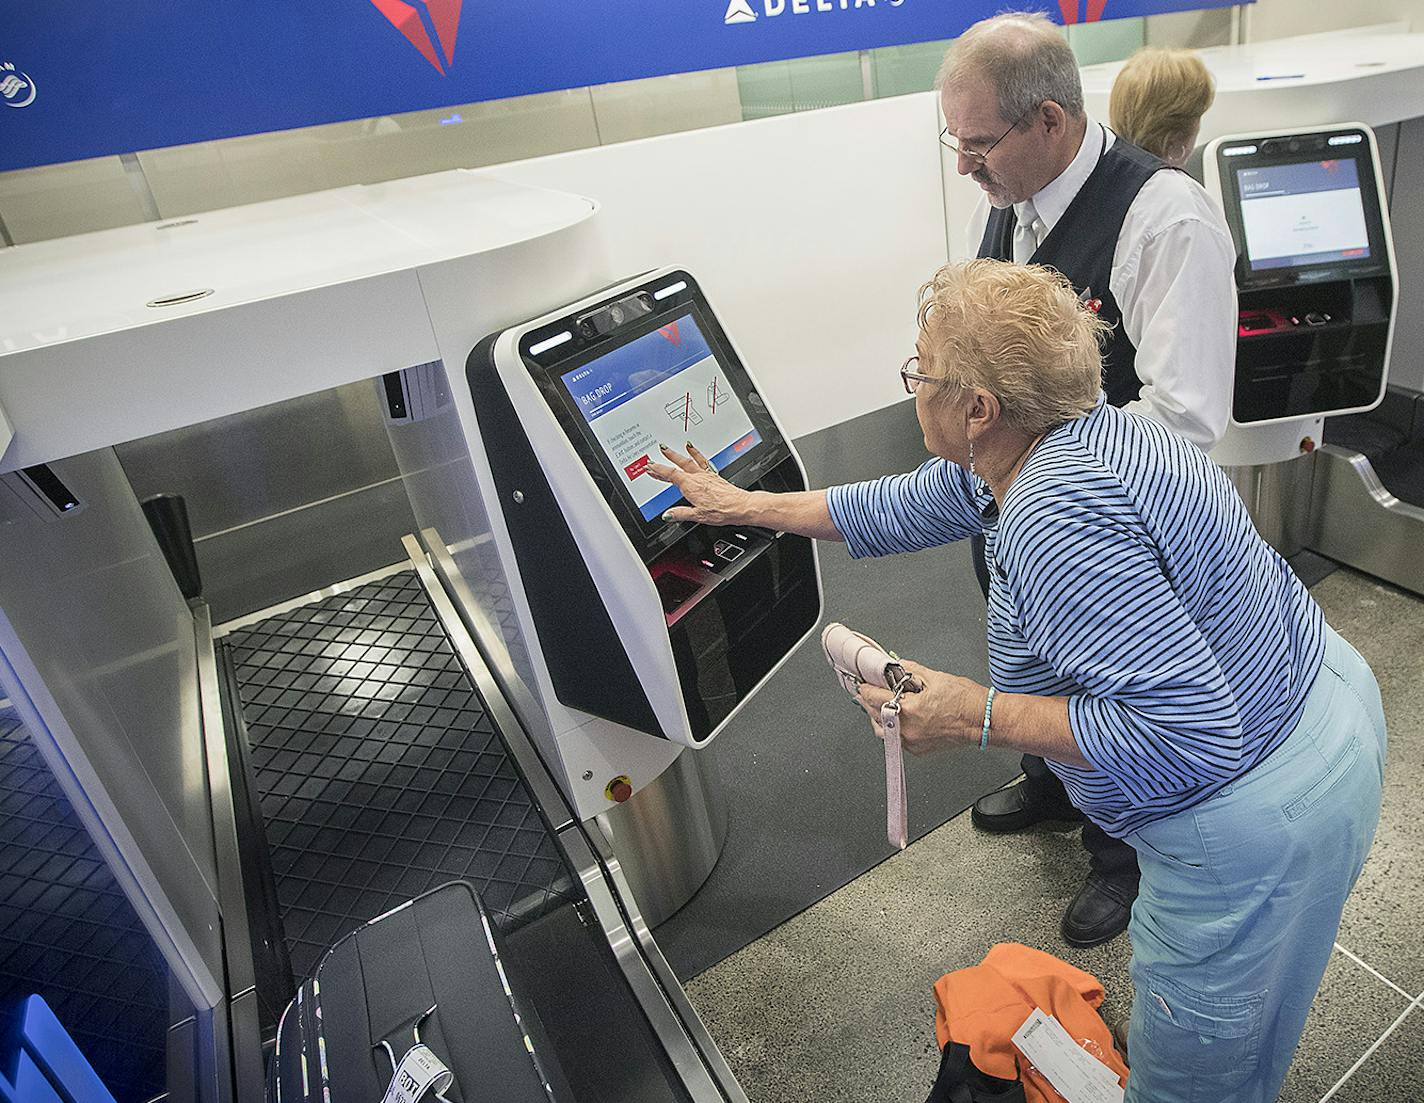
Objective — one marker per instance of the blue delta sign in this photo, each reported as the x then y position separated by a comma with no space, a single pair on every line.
79,79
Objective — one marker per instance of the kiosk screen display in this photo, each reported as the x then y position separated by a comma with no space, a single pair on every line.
1302,214
665,386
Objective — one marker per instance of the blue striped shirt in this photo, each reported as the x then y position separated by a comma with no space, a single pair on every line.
1126,576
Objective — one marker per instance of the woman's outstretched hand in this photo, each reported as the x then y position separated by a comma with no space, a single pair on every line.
712,500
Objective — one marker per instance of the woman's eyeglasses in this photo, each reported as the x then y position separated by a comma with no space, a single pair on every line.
913,379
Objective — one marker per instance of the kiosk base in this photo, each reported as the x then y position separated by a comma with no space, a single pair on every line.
669,835
1277,496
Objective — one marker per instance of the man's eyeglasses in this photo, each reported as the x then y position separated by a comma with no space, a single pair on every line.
951,143
913,379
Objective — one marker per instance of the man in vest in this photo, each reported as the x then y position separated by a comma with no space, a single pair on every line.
1144,246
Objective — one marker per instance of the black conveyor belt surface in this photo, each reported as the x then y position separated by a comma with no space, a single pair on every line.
380,774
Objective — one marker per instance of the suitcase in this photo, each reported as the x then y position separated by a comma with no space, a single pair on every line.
421,990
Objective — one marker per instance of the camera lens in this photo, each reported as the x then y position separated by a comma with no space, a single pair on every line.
1294,146
616,314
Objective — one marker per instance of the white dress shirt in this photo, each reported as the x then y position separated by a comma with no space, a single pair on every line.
1173,278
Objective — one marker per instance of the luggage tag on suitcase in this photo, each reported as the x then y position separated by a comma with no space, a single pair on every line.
858,659
418,1072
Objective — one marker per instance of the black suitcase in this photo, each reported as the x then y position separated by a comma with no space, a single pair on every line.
426,972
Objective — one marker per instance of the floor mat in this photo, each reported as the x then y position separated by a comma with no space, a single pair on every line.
802,773
379,772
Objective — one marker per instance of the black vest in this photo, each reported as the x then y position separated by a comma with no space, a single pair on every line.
1081,246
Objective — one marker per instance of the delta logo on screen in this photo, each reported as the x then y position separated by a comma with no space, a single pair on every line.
426,23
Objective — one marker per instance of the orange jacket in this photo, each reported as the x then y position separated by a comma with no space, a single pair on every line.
982,1006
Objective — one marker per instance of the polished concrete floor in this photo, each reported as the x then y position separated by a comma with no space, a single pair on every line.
836,1003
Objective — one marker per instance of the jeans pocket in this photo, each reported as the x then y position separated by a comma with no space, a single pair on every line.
1166,841
1212,1043
1300,805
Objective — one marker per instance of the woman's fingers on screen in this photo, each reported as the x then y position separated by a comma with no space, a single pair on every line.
684,462
697,456
662,472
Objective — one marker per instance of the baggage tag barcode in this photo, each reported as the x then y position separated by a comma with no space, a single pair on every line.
419,1072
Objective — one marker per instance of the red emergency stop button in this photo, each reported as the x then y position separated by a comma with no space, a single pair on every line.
619,789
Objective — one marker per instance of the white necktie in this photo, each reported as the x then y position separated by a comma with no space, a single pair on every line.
1026,232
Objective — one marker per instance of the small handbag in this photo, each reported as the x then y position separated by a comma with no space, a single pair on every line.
857,659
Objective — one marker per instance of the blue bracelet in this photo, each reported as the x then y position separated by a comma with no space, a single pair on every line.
988,710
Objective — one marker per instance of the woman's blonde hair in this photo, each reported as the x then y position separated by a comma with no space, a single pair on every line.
1158,100
1017,331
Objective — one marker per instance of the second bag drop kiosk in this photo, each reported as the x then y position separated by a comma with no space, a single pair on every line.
1318,286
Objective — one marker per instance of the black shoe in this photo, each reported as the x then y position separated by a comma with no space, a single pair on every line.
1014,808
1098,913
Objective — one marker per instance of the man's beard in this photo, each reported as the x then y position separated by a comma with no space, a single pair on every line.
994,191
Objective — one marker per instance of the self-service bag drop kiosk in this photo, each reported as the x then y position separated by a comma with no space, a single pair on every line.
1318,286
358,726
665,628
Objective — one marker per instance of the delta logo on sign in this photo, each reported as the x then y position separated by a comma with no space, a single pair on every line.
425,23
741,11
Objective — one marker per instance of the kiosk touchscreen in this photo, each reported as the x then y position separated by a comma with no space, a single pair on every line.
1314,270
664,627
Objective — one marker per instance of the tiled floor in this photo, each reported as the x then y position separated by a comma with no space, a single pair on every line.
836,1005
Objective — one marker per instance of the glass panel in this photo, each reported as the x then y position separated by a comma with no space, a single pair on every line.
211,175
74,198
903,69
1110,40
781,87
666,105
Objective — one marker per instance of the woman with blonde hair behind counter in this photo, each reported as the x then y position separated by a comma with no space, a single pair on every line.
1158,101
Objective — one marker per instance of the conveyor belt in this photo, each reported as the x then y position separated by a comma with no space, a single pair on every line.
379,772
68,933
1391,437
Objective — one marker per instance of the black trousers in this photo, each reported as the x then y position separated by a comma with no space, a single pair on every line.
1110,858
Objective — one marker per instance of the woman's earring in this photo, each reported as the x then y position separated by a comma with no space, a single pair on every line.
971,458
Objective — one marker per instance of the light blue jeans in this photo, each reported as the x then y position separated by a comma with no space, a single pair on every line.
1241,899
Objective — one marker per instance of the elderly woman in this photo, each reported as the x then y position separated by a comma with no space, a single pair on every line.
1146,642
1158,100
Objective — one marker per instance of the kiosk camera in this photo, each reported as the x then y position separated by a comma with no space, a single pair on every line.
657,627
1317,282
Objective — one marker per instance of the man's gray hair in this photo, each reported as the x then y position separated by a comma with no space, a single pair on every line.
1024,57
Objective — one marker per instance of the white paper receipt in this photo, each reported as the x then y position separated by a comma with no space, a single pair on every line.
419,1072
1075,1074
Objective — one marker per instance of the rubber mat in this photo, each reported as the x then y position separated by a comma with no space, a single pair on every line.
68,933
380,774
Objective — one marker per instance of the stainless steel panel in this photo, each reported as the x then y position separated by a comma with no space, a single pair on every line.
1406,215
1277,496
99,658
689,1047
284,498
669,835
239,469
1355,520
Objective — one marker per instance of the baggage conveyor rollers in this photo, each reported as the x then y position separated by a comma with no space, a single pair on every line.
373,755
